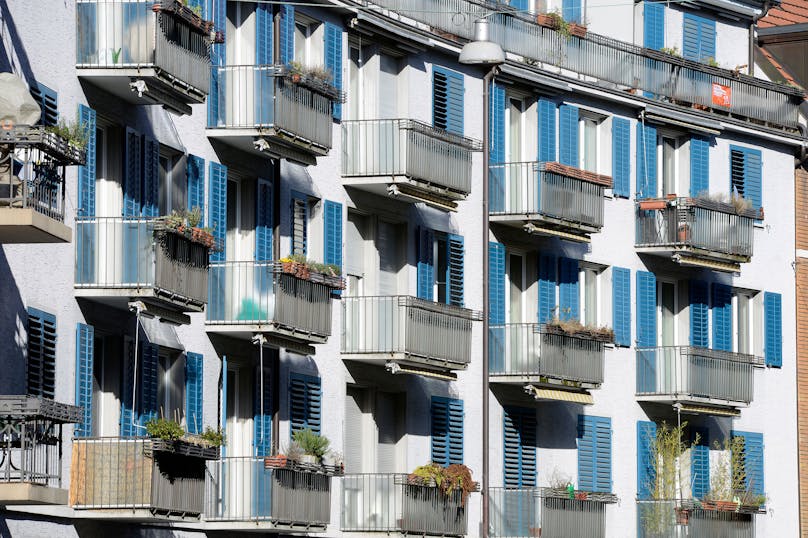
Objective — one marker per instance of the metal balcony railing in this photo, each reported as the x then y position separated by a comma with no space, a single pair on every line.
534,512
386,503
713,227
524,350
659,519
660,75
685,373
125,35
126,474
546,190
257,293
243,489
409,148
423,331
136,253
262,97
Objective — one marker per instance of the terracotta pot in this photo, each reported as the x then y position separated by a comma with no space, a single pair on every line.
581,496
296,77
684,232
682,516
535,532
577,30
546,20
726,506
671,196
275,462
651,205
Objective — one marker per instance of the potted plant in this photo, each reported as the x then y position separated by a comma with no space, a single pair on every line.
186,224
313,445
683,232
450,479
578,30
168,436
573,327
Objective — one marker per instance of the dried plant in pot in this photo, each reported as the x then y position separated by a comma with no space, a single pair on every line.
450,479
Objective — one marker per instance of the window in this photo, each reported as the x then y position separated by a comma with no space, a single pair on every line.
300,223
517,287
41,367
440,270
447,100
171,385
667,313
590,292
669,147
173,184
374,431
305,401
594,453
573,10
356,235
589,153
745,340
309,40
447,430
746,165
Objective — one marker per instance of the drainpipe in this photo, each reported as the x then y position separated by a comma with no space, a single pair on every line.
755,19
276,358
802,152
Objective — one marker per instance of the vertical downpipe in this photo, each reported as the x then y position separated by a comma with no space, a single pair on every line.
276,249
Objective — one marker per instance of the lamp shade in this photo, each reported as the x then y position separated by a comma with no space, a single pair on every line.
481,51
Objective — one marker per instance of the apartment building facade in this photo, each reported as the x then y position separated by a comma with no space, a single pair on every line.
640,262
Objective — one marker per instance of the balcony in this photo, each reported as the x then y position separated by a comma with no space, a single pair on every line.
672,519
136,478
620,65
258,297
534,512
387,503
32,184
407,334
31,449
705,380
407,159
260,109
144,52
696,232
120,259
242,493
548,198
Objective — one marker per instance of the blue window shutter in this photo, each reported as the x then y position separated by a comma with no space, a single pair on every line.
568,293
287,30
195,176
128,415
149,357
654,25
571,10
456,269
699,165
621,156
47,99
646,468
646,309
700,465
496,186
722,317
193,392
216,11
262,422
426,265
752,461
698,38
87,171
131,174
603,454
753,171
699,314
305,403
547,130
447,100
496,275
547,288
332,217
773,328
646,160
217,207
263,220
151,177
85,351
519,447
263,34
568,136
41,367
521,5
333,59
621,305
447,430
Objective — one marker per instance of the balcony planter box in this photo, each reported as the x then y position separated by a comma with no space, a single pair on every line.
721,506
544,19
725,207
282,461
653,205
589,333
191,233
185,448
304,272
577,30
314,80
577,173
184,13
62,151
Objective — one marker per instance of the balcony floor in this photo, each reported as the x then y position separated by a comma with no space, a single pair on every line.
119,298
23,493
539,224
542,380
699,404
408,363
262,526
276,335
25,225
692,256
160,89
406,188
280,144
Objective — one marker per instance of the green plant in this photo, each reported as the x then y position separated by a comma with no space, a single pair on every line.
194,216
673,51
74,132
165,429
455,477
561,26
293,451
311,443
213,437
116,55
728,481
295,68
427,474
711,62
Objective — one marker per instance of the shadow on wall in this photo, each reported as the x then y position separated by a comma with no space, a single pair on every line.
13,338
560,421
13,57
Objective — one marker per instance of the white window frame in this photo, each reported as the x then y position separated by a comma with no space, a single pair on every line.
585,268
676,310
526,283
754,321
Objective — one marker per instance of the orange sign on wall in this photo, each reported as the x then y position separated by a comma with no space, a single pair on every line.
722,95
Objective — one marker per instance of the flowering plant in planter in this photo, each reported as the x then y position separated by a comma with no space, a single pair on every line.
169,436
455,477
326,273
316,78
186,223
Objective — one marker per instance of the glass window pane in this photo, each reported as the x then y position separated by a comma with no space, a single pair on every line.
516,279
668,166
591,297
743,324
590,145
668,305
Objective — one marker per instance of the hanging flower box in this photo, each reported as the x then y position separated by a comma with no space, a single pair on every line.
575,329
179,224
326,274
653,205
577,30
317,79
184,13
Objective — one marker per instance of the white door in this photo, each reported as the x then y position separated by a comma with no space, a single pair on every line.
238,472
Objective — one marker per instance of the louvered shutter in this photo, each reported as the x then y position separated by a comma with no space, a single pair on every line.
547,287
262,421
263,34
300,223
568,291
773,328
621,157
456,431
568,136
333,59
519,447
699,165
132,174
193,392
426,265
571,10
753,170
447,100
151,178
698,38
85,351
447,430
149,358
217,208
646,160
496,301
722,317
41,368
263,220
128,415
195,176
547,130
216,12
86,186
305,403
646,467
496,155
621,305
47,100
646,309
594,453
699,314
521,5
653,25
752,461
332,217
700,465
456,269
287,31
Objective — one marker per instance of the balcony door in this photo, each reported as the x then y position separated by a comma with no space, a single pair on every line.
518,174
239,80
519,355
107,384
237,478
242,290
109,235
667,370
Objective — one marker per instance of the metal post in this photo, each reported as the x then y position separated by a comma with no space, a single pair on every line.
259,340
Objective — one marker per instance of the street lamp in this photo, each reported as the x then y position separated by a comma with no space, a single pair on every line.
484,53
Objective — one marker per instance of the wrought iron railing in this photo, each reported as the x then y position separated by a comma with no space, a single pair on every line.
527,188
423,330
670,519
137,253
661,76
119,35
527,349
690,223
264,97
402,147
685,372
